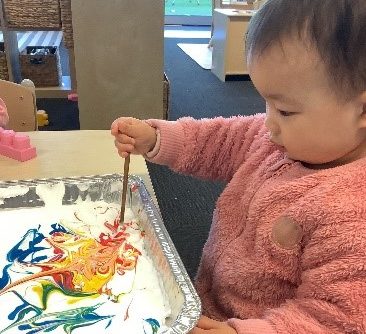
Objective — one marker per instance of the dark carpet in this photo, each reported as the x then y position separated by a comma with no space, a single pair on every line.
62,114
186,204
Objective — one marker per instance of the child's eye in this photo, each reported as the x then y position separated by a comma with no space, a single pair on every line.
285,113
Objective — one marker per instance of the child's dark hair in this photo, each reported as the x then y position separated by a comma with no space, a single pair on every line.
337,29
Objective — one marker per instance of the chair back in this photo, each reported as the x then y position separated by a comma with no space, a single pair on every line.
21,104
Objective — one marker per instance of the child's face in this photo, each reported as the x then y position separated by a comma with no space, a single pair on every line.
304,115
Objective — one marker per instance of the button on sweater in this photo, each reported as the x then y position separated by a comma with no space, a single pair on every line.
286,252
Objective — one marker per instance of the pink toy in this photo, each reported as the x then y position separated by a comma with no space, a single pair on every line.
73,97
16,146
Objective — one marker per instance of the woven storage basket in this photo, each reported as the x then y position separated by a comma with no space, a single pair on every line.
66,21
4,74
32,14
43,70
166,97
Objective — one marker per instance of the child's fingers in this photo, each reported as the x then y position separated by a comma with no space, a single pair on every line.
124,139
124,149
207,323
123,154
197,330
115,126
122,125
124,146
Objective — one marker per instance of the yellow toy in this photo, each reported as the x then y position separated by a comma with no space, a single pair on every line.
42,118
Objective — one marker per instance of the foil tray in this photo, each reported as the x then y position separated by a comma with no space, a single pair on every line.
184,301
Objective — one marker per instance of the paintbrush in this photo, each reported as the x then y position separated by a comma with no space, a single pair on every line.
124,188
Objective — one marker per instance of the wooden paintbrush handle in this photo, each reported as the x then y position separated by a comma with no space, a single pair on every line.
124,189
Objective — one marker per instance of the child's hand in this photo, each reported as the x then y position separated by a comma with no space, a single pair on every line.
133,136
208,326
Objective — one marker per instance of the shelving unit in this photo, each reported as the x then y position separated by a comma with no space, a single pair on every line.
3,65
230,25
10,37
119,62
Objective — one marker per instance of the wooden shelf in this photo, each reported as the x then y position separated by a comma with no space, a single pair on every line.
55,92
11,44
21,29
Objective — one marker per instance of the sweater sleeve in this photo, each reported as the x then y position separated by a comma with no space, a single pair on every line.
211,148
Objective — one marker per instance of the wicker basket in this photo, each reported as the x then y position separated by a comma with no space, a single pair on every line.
66,19
43,70
166,97
32,14
4,74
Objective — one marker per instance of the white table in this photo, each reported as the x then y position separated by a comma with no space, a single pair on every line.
228,53
73,153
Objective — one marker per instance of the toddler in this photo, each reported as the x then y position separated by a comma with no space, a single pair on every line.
4,117
286,251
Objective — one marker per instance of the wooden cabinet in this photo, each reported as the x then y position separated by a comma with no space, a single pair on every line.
228,53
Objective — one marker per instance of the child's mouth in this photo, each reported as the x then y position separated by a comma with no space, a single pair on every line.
280,147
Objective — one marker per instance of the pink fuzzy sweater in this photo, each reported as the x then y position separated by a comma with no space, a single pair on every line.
286,253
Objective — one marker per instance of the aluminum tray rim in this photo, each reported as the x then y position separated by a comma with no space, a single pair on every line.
191,310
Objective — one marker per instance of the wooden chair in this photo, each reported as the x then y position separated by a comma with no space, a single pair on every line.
21,105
